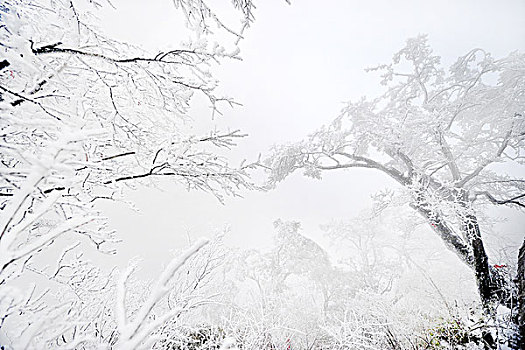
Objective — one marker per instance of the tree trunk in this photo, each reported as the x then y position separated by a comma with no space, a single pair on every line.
493,288
490,287
520,281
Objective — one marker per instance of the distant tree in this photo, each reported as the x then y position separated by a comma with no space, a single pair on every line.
446,137
294,292
286,286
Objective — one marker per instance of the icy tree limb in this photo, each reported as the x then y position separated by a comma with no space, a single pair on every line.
132,333
7,257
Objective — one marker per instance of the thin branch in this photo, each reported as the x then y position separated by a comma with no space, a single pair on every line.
451,162
24,98
493,200
161,57
487,162
171,173
118,155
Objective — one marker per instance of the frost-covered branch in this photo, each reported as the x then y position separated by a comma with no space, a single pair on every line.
133,331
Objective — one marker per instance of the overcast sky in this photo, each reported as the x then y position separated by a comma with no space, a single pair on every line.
300,62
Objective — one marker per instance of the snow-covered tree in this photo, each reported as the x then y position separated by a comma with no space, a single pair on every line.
82,116
448,137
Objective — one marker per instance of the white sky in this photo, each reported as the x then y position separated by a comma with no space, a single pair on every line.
300,62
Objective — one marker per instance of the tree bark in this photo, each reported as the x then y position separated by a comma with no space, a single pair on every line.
491,288
520,281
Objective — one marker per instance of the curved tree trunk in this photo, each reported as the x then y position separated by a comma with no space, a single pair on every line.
493,288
